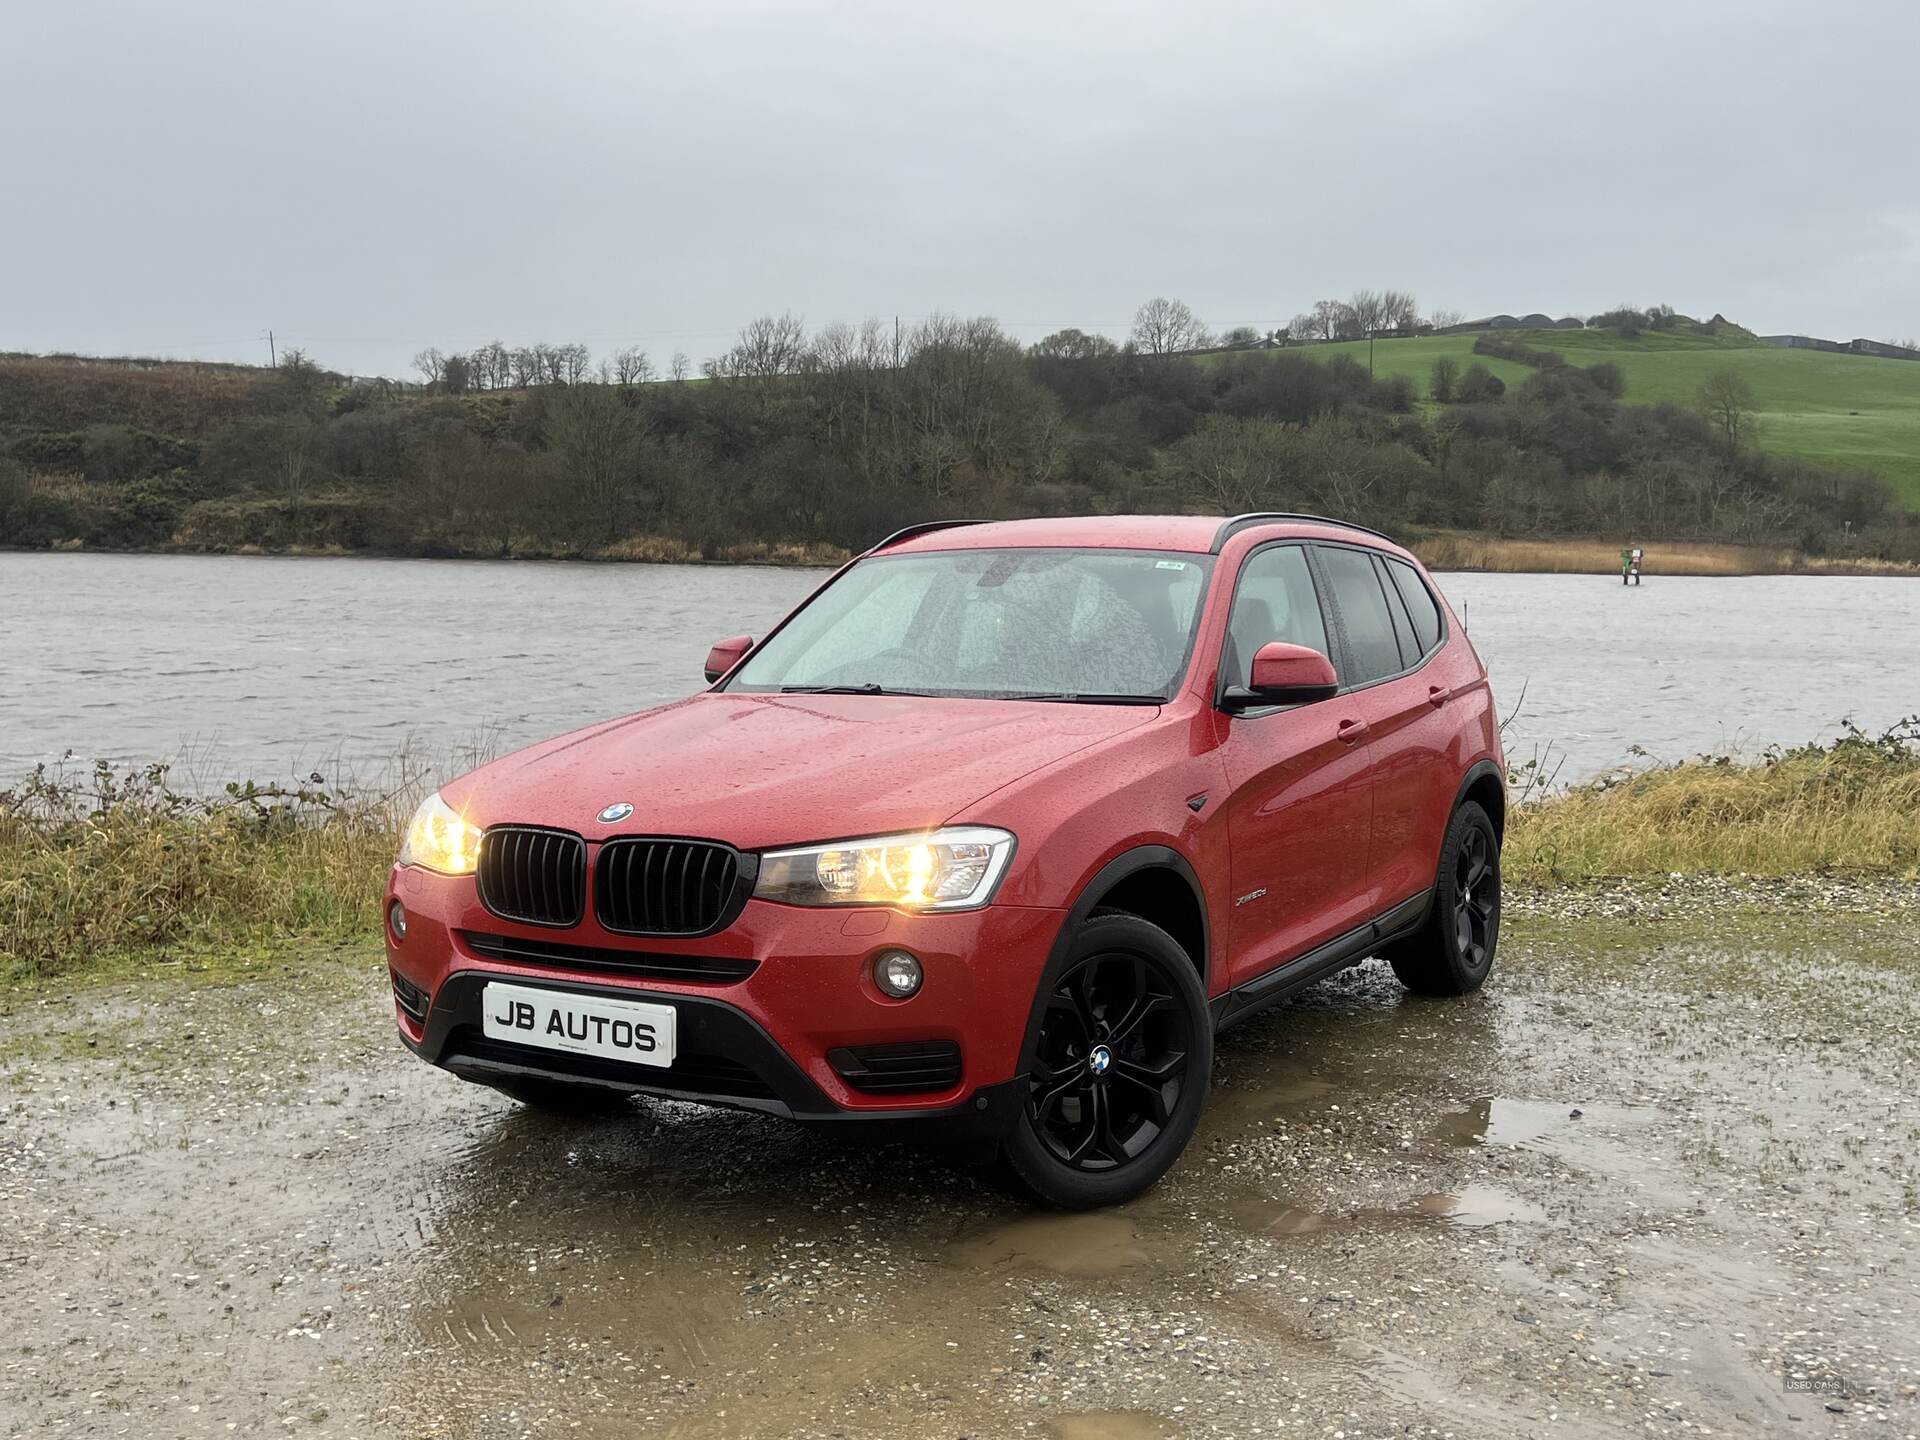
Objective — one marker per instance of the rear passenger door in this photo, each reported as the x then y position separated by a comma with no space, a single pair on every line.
1389,626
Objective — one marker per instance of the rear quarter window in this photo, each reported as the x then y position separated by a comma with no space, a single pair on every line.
1421,606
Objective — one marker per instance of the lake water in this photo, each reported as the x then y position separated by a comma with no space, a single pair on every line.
270,668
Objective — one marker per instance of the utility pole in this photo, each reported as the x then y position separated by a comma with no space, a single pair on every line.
273,360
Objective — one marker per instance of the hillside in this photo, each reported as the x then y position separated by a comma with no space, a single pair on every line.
1852,410
812,445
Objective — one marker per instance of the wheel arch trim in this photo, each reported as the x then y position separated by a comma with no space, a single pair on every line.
1123,866
1482,769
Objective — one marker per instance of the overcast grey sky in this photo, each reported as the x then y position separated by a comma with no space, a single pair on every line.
371,178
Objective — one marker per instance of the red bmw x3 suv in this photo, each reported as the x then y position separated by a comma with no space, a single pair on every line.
987,838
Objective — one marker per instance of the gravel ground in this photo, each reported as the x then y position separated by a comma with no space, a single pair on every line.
1658,1179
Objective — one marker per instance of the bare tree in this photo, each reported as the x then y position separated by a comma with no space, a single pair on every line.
1328,320
1398,310
1726,400
770,346
1368,309
1376,311
527,365
1445,319
1166,327
594,436
680,367
492,367
296,445
430,363
631,366
1231,463
572,363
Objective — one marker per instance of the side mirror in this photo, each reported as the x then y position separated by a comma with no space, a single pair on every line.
725,655
1283,674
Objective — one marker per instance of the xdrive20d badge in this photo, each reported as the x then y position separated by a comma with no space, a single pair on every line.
986,840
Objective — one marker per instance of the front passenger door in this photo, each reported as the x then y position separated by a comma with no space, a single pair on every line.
1300,811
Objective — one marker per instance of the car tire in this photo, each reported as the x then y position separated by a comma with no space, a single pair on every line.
1452,951
1117,1067
557,1097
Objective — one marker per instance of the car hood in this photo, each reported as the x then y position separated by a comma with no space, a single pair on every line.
762,770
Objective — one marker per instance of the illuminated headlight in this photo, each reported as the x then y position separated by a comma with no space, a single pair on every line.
950,869
439,838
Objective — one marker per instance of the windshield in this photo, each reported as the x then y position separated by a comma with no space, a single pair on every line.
1094,625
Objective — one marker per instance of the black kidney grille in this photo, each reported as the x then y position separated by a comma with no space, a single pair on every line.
538,877
665,887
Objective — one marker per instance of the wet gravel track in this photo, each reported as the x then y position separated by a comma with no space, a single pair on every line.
1658,1179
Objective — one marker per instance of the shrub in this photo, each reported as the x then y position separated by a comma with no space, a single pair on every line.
1607,378
1624,320
1516,352
1479,385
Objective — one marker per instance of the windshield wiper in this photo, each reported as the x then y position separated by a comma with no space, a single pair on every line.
1092,697
867,689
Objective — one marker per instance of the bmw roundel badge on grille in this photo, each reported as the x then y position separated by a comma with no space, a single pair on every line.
616,812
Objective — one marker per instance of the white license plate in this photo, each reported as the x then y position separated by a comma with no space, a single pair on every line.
629,1030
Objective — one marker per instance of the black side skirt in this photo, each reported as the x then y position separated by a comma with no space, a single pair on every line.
1321,961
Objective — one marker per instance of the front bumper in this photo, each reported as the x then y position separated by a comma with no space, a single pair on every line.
767,1041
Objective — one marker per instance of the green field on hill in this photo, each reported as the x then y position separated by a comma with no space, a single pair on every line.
1855,410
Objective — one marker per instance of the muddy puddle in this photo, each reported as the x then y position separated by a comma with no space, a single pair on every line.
1100,1243
1534,1211
1471,1205
1112,1425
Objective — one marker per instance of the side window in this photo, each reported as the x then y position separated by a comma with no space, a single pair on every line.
1420,603
1275,600
1397,612
1371,649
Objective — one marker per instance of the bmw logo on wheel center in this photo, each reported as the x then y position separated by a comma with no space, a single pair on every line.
615,812
1100,1059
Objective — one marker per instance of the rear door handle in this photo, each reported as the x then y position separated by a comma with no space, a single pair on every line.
1438,695
1350,731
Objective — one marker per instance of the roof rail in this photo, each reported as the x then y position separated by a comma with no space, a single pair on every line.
1233,526
907,532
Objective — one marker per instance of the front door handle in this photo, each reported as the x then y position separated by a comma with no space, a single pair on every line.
1350,732
1438,695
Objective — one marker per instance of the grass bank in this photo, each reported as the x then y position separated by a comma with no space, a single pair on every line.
1852,806
109,869
113,870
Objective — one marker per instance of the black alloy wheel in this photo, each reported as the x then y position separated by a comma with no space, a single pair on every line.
1111,1061
1476,897
1452,951
1118,1069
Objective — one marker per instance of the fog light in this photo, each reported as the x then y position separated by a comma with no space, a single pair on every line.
397,918
897,974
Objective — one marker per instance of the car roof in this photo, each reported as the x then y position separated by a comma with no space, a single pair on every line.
1195,534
